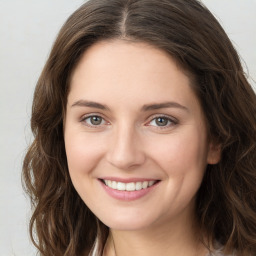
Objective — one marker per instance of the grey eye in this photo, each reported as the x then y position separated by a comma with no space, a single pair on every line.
162,121
95,120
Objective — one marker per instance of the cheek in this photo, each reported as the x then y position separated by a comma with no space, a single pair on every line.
83,155
183,153
82,152
182,158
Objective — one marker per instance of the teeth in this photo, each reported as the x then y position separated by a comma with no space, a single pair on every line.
145,184
113,184
120,185
131,186
150,183
138,186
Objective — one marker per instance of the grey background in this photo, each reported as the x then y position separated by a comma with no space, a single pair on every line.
27,31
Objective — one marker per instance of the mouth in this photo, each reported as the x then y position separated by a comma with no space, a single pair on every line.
128,189
129,186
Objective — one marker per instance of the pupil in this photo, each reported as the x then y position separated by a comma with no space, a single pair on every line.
161,121
96,120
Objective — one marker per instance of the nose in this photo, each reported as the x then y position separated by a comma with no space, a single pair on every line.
125,150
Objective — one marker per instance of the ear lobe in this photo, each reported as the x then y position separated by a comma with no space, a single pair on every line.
214,153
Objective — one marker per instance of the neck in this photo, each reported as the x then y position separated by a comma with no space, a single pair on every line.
176,238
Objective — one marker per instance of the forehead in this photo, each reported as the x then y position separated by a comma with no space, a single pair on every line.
124,58
121,71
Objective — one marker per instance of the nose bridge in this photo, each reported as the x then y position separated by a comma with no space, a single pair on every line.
125,150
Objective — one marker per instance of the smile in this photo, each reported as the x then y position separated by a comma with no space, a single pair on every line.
128,189
131,186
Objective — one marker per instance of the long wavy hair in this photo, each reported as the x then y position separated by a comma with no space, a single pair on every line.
61,223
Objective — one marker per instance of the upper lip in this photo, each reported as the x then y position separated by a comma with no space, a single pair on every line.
127,180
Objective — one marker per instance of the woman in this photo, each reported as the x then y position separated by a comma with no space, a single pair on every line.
144,128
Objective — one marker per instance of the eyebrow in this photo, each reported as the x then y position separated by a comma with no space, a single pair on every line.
163,105
148,107
92,104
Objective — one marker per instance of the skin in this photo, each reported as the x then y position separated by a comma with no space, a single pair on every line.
128,142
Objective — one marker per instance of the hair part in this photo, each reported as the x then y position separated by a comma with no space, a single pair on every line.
189,33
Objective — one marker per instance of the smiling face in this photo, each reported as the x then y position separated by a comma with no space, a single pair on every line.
135,136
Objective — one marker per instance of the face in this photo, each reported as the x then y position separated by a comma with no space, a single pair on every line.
135,136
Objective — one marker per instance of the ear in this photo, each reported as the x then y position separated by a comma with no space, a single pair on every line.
214,153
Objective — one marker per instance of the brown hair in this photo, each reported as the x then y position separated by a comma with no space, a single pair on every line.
226,201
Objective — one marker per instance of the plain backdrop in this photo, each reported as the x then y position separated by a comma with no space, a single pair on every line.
27,31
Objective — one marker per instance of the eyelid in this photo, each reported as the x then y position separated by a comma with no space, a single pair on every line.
173,120
84,117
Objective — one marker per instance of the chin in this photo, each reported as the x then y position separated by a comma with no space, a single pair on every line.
128,222
124,226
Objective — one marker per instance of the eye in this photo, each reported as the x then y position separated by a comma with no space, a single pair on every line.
94,120
162,121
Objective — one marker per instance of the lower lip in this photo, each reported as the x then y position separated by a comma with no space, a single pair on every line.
127,195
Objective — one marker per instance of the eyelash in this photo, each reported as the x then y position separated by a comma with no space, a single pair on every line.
171,121
83,120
